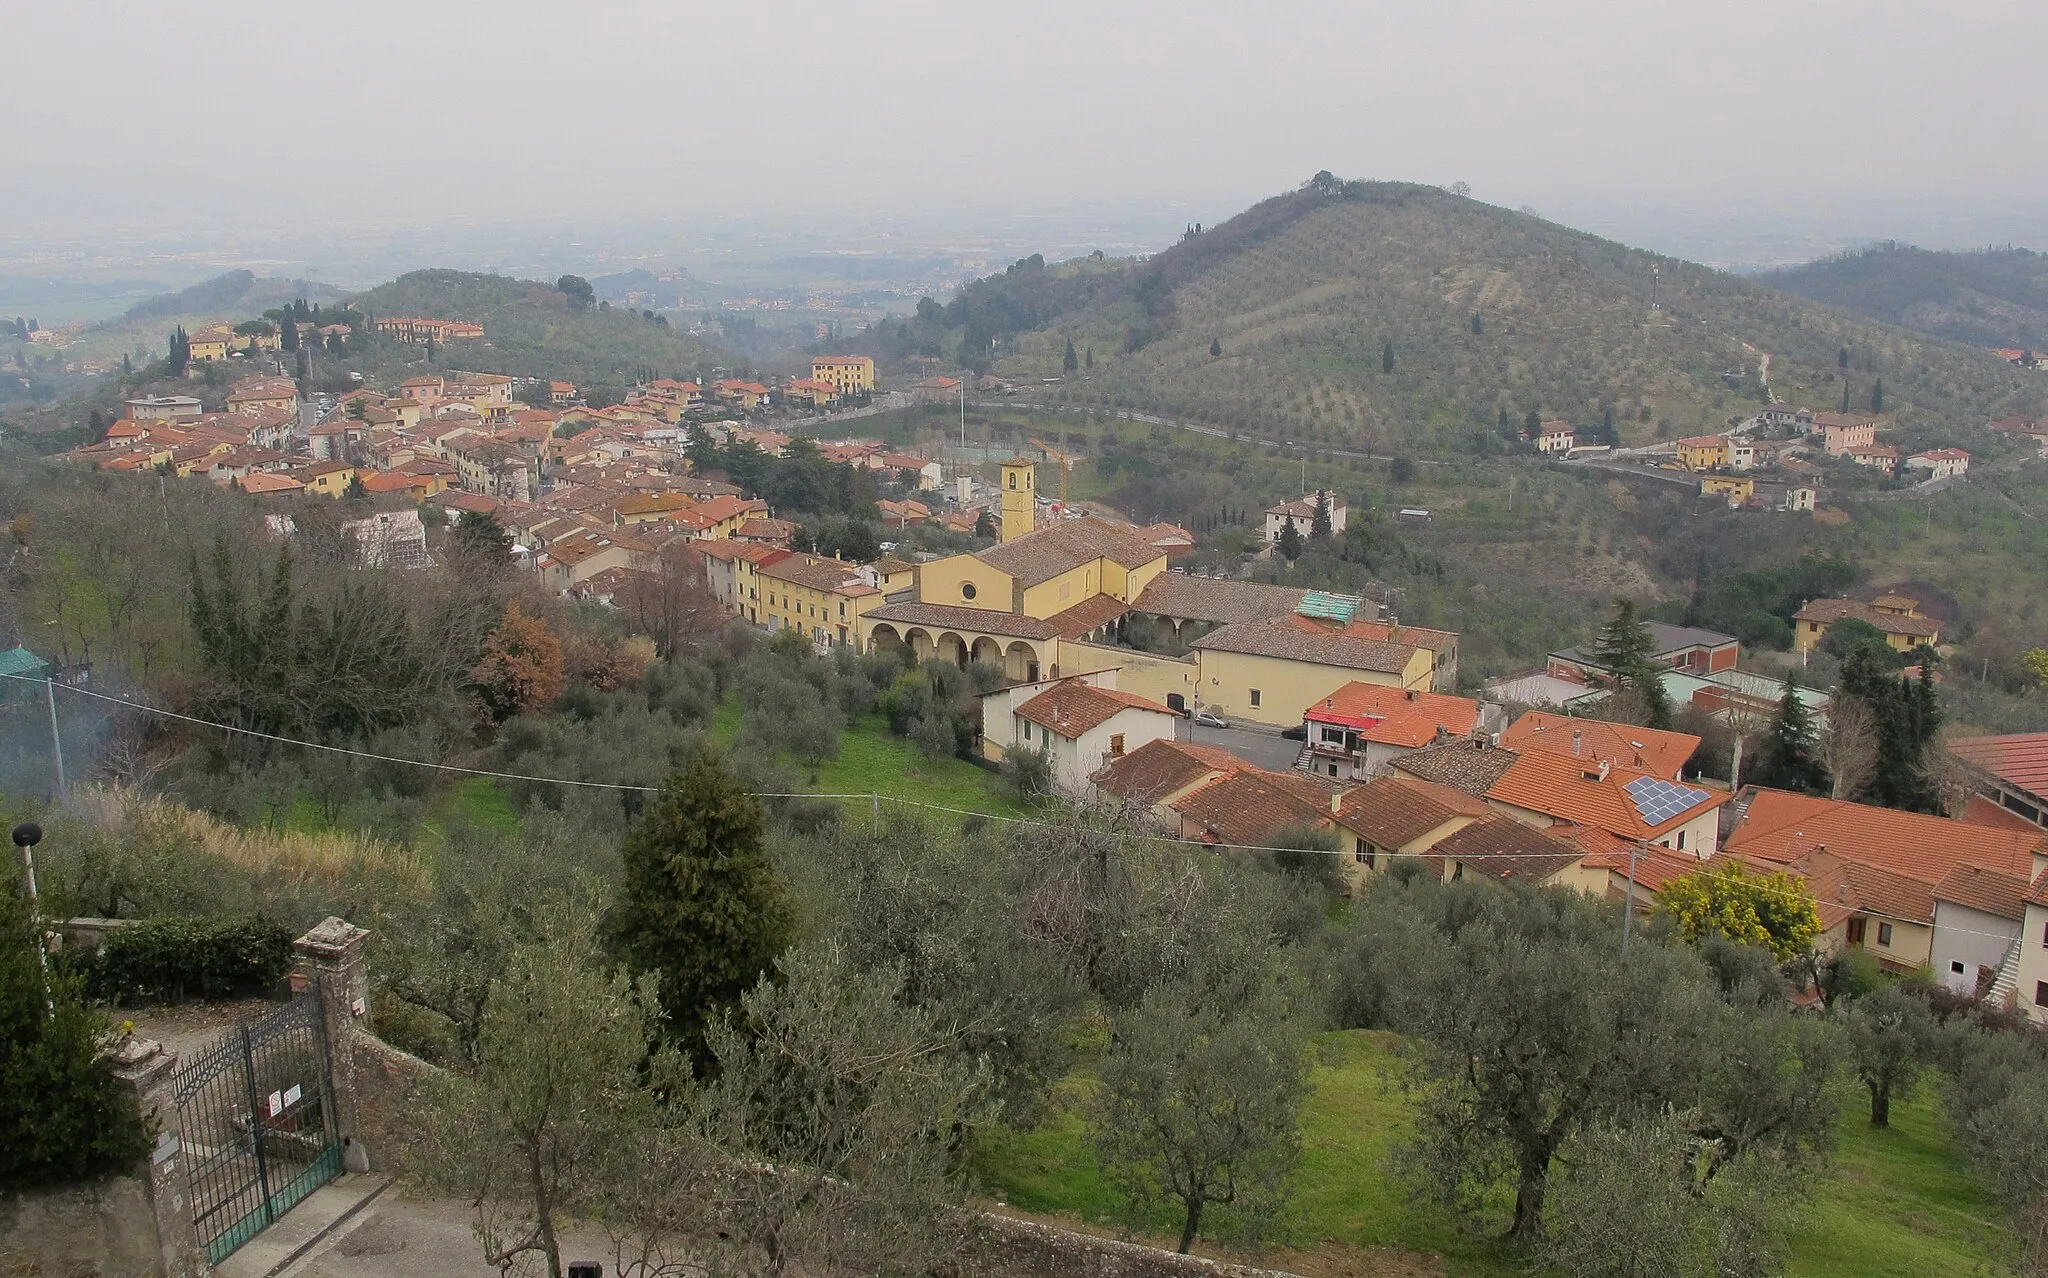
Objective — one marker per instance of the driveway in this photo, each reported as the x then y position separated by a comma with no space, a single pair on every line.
1260,747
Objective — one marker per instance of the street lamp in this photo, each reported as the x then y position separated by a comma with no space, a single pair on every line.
26,836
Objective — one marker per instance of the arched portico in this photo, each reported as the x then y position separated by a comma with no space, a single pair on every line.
1020,663
987,650
953,648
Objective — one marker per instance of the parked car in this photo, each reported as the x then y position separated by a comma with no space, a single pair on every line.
1210,719
1299,732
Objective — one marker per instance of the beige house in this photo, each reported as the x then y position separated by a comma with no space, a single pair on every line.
1081,723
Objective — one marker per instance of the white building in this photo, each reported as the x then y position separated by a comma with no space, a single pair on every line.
1977,916
1081,722
2030,991
1944,463
1303,513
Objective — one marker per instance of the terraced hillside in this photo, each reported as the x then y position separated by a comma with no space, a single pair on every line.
1997,297
1286,319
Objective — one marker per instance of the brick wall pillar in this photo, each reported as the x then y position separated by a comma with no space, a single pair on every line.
333,958
146,1067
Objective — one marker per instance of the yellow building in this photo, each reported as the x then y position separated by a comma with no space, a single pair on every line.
210,343
1703,452
1895,615
824,598
1736,488
1273,671
1020,497
327,479
1011,605
848,374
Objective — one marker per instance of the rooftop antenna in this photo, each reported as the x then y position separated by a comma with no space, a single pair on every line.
1653,286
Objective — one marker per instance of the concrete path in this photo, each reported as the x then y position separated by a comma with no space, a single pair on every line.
362,1228
304,1227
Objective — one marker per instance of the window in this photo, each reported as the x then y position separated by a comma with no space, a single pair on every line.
1255,696
1116,744
2041,993
1855,931
1363,854
1027,731
1013,479
1681,840
1884,934
967,590
1956,966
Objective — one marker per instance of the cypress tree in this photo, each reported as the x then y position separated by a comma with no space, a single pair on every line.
287,335
1387,356
1290,539
1478,324
1877,396
1788,755
1532,425
1215,348
1069,362
1320,529
703,907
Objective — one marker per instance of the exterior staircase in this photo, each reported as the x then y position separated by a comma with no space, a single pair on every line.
2006,983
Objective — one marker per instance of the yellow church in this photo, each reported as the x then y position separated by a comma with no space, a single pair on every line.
1011,605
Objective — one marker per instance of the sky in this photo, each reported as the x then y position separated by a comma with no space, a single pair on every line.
1584,109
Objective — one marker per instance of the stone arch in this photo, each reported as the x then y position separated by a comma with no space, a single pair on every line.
883,638
986,649
951,647
1020,663
920,641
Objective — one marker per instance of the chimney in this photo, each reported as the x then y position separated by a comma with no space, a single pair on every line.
1603,769
1412,694
1577,739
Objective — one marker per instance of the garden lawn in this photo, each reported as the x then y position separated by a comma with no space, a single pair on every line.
1898,1202
873,761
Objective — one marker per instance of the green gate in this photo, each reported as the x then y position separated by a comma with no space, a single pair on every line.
256,1113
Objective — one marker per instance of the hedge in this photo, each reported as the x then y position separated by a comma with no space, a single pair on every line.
168,960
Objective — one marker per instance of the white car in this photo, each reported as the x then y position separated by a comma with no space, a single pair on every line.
1210,719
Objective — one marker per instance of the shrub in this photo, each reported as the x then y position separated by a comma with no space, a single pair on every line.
169,960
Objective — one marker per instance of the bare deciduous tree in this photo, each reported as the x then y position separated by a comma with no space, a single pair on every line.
671,602
1848,747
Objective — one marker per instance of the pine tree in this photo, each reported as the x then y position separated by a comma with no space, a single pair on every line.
1788,761
1387,356
984,526
703,907
1215,348
1625,649
1290,539
1320,529
1069,362
287,335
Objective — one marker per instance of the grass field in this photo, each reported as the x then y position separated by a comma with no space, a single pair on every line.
1897,1202
871,761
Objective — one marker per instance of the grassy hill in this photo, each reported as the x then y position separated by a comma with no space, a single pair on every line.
1488,312
1996,297
531,330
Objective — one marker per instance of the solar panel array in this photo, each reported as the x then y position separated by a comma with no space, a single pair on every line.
1657,801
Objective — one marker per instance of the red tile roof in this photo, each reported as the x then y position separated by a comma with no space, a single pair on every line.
1071,707
1660,753
1251,807
1504,849
1979,810
2001,895
1394,811
1394,716
1575,790
2020,760
1162,768
1779,826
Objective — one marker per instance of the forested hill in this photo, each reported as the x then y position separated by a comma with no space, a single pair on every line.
1996,297
1406,314
241,294
531,329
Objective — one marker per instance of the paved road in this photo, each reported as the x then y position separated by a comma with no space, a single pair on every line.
1260,748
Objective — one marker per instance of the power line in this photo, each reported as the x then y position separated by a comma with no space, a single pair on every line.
878,798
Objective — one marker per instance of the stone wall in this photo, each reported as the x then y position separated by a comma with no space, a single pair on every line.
1006,1247
105,1229
390,1101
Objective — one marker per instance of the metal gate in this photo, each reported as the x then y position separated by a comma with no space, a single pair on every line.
256,1113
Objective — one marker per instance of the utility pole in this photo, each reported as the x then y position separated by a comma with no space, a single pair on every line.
56,747
26,836
1628,907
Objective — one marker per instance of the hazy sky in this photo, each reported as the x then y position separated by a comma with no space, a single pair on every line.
516,107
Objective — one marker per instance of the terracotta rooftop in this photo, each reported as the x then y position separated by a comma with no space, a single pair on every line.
2001,895
1279,639
1396,810
818,573
2019,760
946,617
1188,598
1648,749
1045,554
1780,826
1842,887
1160,769
1071,707
1628,802
1505,850
1980,810
1395,716
1829,611
1470,766
1251,807
1095,611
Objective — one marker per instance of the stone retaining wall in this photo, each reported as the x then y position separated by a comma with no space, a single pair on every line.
1006,1247
105,1229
